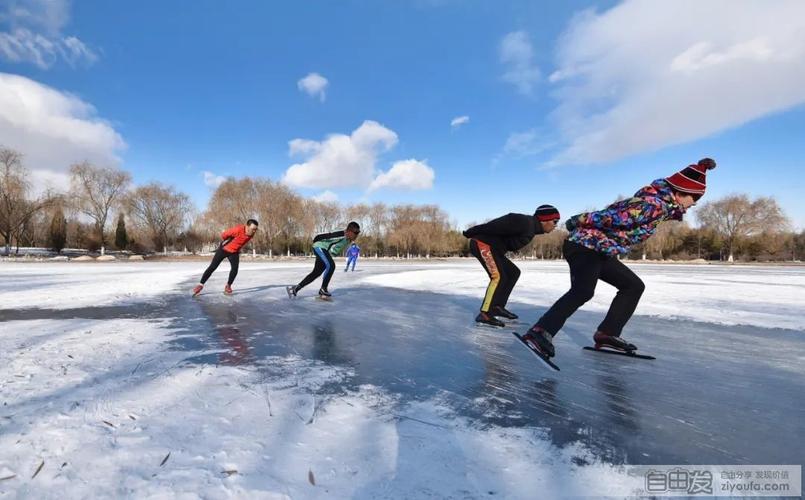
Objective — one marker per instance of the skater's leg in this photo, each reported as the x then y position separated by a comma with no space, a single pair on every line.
318,268
585,266
483,252
630,289
329,269
234,262
510,273
219,256
354,261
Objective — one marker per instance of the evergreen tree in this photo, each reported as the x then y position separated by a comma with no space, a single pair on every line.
121,236
58,230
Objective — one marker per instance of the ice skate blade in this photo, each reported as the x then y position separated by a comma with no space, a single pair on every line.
487,325
628,354
545,359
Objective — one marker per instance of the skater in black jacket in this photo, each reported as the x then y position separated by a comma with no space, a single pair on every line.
489,243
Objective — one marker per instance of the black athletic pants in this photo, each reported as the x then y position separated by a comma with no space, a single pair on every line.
324,264
220,255
503,274
586,268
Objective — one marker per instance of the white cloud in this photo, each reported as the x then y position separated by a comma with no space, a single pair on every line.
212,180
339,160
48,16
31,31
302,147
313,85
44,180
407,174
326,197
350,161
644,75
527,143
459,121
517,54
53,129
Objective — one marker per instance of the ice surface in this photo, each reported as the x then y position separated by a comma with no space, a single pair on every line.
390,391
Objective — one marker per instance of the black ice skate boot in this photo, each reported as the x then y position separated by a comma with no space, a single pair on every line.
486,319
601,339
501,312
541,340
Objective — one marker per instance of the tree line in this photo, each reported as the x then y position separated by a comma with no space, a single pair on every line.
102,210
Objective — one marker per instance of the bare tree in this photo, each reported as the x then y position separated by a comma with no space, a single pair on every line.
293,215
376,222
16,209
161,210
234,201
95,190
378,218
404,229
735,217
327,216
277,207
432,227
669,235
546,246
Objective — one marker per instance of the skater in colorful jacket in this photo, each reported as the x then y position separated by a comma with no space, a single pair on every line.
325,246
596,240
234,239
489,243
352,256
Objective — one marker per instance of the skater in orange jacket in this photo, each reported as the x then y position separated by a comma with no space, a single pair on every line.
234,239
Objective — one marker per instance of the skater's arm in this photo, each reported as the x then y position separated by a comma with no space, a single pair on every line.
329,236
621,216
507,225
230,233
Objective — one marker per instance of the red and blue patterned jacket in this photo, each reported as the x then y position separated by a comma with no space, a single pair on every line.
615,229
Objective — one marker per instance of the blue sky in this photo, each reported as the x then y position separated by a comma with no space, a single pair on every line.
569,103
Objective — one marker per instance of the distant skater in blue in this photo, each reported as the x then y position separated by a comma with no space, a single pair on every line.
352,256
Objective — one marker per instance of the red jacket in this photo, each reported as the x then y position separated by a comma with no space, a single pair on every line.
236,237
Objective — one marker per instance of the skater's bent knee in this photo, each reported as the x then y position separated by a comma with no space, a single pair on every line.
583,295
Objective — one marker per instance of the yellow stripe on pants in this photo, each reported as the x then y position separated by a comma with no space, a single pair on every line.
494,274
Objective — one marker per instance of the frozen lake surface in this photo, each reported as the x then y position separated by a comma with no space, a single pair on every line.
390,390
